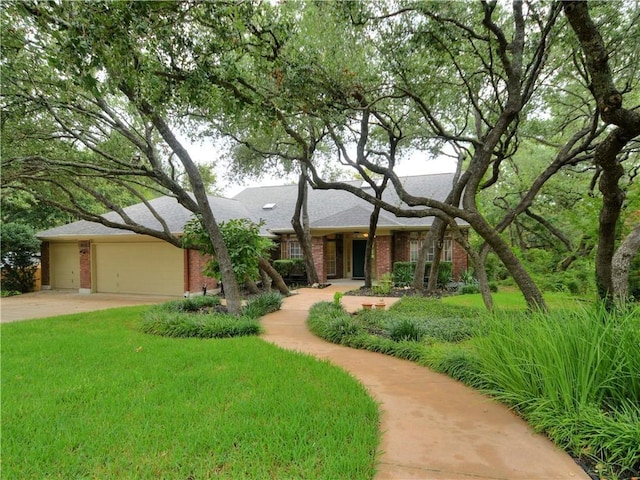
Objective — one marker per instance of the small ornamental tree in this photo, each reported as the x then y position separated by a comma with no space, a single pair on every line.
20,251
247,249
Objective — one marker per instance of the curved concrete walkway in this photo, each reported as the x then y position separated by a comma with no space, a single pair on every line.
433,427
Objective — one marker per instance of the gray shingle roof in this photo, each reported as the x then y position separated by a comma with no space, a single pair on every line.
174,214
327,209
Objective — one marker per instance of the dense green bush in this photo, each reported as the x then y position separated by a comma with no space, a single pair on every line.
192,317
217,325
403,273
573,375
191,304
406,330
263,304
290,267
20,250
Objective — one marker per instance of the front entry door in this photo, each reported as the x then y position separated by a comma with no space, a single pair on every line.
359,247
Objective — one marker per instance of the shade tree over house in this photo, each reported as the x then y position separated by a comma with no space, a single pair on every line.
359,85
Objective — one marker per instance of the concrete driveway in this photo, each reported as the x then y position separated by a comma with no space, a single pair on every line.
49,303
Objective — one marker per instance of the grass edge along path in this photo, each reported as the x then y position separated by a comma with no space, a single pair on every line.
90,396
572,374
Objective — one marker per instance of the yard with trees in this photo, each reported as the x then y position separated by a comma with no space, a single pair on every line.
537,103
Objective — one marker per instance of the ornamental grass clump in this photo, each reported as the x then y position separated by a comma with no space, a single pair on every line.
574,375
192,317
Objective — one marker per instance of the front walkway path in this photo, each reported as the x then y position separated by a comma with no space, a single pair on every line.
432,426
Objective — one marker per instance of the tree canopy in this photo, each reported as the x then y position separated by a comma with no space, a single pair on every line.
521,94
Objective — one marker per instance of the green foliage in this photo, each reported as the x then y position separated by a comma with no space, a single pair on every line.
20,250
469,288
337,297
290,266
191,304
403,273
385,284
213,325
90,396
197,317
263,304
406,330
571,374
243,241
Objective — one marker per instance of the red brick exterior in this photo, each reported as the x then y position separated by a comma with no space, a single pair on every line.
384,254
84,247
460,259
45,265
194,280
401,247
317,247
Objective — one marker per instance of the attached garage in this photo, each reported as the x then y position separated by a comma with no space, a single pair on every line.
138,267
65,266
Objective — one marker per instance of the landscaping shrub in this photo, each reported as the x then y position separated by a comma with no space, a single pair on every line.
263,304
190,317
402,273
406,330
469,289
172,324
289,267
573,375
191,304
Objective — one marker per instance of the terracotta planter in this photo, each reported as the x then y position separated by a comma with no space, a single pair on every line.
381,306
366,306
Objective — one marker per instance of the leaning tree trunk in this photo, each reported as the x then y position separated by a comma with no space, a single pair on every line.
621,264
251,286
609,101
368,251
302,229
275,276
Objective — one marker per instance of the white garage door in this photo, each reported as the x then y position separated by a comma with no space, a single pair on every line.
143,268
64,265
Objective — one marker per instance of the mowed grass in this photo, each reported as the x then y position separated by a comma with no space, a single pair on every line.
511,299
90,396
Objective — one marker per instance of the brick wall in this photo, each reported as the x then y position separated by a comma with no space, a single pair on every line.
84,247
317,247
194,279
460,260
401,247
384,258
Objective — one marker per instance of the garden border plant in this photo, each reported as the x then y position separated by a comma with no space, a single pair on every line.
202,317
570,373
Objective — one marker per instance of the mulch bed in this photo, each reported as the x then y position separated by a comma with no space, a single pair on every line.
396,293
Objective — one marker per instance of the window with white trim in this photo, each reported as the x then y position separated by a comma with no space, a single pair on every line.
446,255
291,249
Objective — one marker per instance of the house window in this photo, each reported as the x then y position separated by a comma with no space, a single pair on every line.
291,249
446,256
331,258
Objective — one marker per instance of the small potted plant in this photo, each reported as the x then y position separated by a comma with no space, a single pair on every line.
380,305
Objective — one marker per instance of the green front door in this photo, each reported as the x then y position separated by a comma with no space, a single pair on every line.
359,247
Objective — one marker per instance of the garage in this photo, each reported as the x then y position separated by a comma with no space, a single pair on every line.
155,268
64,266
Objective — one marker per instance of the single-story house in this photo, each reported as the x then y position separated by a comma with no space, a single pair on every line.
91,257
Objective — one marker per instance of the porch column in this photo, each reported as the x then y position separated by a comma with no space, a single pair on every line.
384,260
84,247
45,266
317,248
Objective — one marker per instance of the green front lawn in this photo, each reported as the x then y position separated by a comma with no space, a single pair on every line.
90,396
